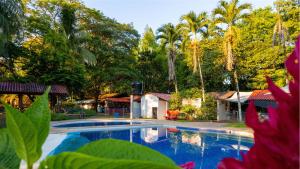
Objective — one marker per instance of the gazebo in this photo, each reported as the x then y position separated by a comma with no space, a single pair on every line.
32,89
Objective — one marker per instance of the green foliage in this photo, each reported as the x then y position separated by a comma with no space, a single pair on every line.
191,93
9,158
151,63
258,57
289,12
132,152
175,102
28,140
108,154
190,111
80,161
209,109
59,117
236,125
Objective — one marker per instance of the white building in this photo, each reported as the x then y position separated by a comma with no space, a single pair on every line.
155,105
194,102
225,105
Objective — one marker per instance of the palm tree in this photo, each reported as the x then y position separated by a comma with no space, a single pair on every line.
229,14
194,24
170,38
11,13
76,39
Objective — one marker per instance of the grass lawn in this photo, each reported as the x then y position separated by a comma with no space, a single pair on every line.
237,125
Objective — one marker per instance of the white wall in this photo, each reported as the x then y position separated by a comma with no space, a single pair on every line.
162,109
147,102
136,110
194,102
222,113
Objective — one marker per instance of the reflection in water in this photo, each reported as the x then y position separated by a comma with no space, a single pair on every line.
151,135
205,149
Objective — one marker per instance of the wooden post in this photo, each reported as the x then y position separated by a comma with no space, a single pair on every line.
21,106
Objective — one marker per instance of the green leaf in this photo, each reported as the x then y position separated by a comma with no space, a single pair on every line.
88,56
118,149
40,115
81,161
23,134
9,158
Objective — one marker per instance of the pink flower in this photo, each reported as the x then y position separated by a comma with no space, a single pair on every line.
188,165
276,140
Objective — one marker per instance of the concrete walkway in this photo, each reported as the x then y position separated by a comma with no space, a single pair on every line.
152,123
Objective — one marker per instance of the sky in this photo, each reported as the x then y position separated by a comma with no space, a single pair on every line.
155,13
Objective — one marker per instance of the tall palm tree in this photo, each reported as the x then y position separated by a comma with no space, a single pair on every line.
170,37
194,24
229,14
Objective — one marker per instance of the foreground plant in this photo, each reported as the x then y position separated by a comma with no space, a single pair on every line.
276,140
29,130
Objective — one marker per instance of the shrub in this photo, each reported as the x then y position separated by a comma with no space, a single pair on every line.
182,116
208,109
58,117
191,93
175,101
89,112
191,112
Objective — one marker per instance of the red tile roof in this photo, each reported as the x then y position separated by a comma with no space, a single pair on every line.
261,95
30,88
162,96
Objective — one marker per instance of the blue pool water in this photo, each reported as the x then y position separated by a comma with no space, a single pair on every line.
205,149
87,124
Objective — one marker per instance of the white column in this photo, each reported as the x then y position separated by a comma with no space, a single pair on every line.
131,106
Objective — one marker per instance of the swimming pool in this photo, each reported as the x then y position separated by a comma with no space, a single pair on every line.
204,148
87,124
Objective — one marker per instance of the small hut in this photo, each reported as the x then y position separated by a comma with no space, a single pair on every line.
155,105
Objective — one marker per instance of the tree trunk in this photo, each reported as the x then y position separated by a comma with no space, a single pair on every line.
202,82
176,85
238,94
195,59
171,66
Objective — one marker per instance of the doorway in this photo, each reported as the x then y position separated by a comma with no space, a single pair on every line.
154,112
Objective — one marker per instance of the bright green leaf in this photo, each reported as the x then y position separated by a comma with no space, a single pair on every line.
81,161
88,56
118,149
23,134
9,158
39,114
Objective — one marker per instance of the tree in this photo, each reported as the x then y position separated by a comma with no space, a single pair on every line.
113,44
256,54
76,38
195,24
229,14
11,15
170,39
151,63
289,12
